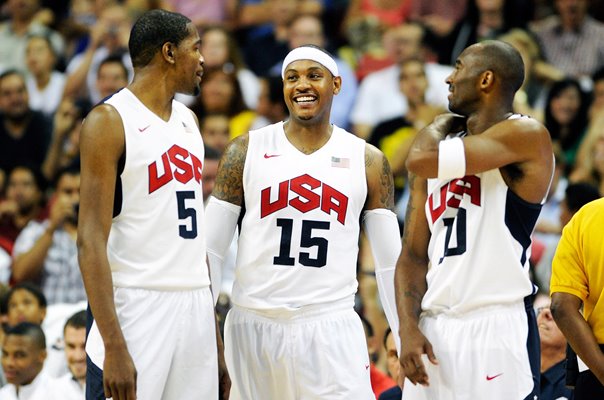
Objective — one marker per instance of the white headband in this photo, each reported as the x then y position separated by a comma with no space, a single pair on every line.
310,53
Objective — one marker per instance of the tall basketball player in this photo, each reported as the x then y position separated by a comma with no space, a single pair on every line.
141,234
303,185
478,180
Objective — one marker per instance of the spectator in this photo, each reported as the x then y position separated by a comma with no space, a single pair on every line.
46,251
485,19
395,392
577,290
538,74
23,355
14,33
111,76
210,169
438,16
271,107
380,382
379,97
308,29
221,93
25,302
72,384
44,83
22,204
553,355
572,40
206,13
395,135
215,130
273,43
109,36
24,133
220,50
566,117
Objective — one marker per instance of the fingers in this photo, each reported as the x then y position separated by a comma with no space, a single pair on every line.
413,368
430,354
120,391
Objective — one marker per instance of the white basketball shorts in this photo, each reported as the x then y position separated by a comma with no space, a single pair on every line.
171,337
311,355
481,354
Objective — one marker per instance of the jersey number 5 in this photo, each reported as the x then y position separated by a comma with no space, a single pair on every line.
306,241
187,231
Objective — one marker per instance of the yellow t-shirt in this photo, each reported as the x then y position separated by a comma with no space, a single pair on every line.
578,266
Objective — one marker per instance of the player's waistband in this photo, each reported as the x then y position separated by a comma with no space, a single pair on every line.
303,313
478,312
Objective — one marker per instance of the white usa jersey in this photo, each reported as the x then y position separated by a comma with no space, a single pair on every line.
299,236
480,243
157,239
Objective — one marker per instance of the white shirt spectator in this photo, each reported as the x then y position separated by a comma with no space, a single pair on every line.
41,388
379,97
48,99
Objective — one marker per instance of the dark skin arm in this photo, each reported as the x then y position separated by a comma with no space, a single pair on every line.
229,179
410,284
103,129
566,311
521,142
380,187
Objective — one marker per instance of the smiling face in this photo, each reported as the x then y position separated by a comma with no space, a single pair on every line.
22,360
308,89
549,333
75,351
23,306
566,105
189,62
39,56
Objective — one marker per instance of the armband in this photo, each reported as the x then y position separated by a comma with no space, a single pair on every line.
451,159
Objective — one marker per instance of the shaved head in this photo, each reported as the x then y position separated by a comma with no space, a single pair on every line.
503,59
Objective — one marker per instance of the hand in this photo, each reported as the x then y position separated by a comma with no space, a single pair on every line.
224,380
119,375
64,119
60,210
414,344
8,208
450,123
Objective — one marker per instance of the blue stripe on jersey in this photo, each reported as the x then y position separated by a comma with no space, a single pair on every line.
94,375
520,218
534,348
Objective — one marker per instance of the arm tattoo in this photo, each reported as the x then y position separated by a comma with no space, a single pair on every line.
386,185
415,295
229,181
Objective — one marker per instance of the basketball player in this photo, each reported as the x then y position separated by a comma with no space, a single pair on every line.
141,235
304,184
478,180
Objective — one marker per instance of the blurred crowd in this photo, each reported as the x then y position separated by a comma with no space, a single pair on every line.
58,58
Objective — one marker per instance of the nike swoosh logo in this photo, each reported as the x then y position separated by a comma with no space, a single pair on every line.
366,366
490,378
141,130
271,155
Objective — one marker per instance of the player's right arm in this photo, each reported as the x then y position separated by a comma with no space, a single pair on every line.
410,283
102,144
229,179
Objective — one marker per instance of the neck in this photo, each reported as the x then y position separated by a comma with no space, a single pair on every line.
42,79
16,127
480,122
306,137
153,90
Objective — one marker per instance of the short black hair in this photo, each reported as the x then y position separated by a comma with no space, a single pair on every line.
31,288
598,75
34,331
77,320
275,91
39,178
69,170
367,326
114,59
388,331
12,71
210,153
152,30
579,194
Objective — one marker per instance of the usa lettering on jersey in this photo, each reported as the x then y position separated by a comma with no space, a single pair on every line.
187,167
452,193
309,194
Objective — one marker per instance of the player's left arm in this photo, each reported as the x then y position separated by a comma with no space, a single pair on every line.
511,141
381,228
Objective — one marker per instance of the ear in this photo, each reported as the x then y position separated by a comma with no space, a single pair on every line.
487,79
337,84
167,51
